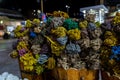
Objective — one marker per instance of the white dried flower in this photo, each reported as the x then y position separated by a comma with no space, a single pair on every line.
2,78
12,77
5,74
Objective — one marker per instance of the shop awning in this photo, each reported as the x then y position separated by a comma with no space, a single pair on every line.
95,8
10,13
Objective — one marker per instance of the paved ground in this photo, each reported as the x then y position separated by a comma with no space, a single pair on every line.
8,64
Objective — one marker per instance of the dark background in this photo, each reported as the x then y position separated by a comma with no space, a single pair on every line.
25,6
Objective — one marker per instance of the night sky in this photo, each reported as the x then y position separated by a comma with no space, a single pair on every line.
52,4
49,5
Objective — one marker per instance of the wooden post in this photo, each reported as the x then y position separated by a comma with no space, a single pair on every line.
42,6
101,2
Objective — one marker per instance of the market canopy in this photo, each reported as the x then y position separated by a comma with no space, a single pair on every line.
94,7
10,13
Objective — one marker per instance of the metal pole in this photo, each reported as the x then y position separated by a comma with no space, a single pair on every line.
67,7
42,6
68,10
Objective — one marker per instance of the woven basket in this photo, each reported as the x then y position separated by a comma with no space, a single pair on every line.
105,76
73,74
60,74
30,75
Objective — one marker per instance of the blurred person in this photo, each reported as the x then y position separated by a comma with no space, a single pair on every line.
6,36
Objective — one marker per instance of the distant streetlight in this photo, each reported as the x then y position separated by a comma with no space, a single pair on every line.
34,10
38,13
67,7
1,22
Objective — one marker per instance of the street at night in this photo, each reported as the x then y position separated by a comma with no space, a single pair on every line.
8,64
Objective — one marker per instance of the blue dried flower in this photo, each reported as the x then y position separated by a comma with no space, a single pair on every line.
62,40
42,59
73,48
91,26
115,52
32,34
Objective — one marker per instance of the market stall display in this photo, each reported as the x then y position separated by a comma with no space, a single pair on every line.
99,12
66,49
110,49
